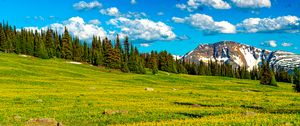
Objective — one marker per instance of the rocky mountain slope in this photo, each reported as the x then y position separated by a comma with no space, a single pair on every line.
242,55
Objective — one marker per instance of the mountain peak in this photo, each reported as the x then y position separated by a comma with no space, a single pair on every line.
239,55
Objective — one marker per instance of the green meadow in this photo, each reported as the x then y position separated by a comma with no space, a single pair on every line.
80,94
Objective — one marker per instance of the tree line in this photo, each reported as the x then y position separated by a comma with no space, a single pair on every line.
124,56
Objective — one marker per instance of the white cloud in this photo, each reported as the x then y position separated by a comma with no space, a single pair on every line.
252,3
143,29
95,22
270,43
82,5
181,6
145,44
134,15
286,44
77,27
184,37
279,24
206,24
133,1
113,11
39,18
160,13
178,20
193,5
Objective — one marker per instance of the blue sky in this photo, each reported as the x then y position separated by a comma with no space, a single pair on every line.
174,25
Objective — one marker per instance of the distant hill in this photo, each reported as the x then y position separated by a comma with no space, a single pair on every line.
242,55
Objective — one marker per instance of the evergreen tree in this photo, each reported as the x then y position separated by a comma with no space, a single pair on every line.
296,79
77,50
267,77
66,45
117,54
126,48
57,45
41,51
153,65
109,54
49,44
2,39
85,56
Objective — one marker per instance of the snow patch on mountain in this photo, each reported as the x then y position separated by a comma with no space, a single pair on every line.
240,55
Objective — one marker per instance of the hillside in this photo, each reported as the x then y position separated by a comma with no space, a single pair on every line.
239,54
80,94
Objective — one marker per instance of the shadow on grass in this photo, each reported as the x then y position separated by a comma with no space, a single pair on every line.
284,111
191,115
252,107
197,105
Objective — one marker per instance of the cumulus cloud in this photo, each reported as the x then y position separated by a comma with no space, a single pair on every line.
270,43
143,29
193,5
252,3
286,44
82,5
145,44
95,22
279,24
113,11
77,27
206,24
181,6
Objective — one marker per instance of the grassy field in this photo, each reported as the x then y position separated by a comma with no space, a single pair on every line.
78,94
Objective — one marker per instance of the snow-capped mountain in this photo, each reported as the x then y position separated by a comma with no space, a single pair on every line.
242,55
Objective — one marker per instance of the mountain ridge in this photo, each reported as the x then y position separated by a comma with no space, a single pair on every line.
239,55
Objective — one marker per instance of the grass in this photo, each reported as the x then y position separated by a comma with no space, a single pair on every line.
79,94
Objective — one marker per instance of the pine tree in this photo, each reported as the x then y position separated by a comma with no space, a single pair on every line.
134,63
153,65
109,54
66,45
2,39
77,50
85,56
296,79
267,77
118,54
41,51
49,44
126,49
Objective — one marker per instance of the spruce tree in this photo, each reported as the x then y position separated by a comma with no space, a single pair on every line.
2,39
109,54
77,50
126,49
66,45
117,54
296,79
267,77
85,56
49,44
153,65
41,51
58,44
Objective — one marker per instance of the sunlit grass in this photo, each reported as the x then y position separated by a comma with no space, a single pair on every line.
79,94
